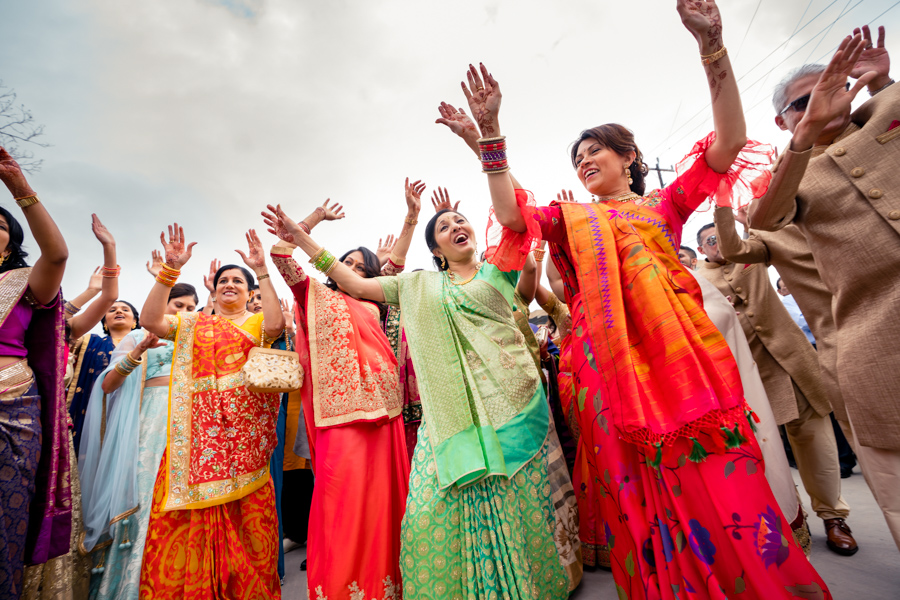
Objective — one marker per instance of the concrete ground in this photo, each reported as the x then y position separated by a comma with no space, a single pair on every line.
873,573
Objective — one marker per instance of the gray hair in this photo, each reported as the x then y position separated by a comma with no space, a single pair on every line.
779,98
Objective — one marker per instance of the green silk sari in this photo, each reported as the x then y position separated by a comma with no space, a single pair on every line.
482,401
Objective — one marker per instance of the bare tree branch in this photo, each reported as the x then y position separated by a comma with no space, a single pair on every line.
18,127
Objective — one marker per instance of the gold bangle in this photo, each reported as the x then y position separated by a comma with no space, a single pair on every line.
413,222
538,254
27,201
708,59
491,140
261,277
397,260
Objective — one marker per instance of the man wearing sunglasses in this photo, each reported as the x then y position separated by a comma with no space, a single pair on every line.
839,182
787,364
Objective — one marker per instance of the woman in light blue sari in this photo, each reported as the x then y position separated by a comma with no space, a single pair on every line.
117,467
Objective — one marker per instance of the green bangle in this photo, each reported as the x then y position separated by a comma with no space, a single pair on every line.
124,370
323,261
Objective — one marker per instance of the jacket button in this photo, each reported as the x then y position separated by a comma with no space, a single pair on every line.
875,193
758,328
858,172
894,215
839,152
749,314
739,290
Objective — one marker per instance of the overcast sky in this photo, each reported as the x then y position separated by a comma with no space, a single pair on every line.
203,111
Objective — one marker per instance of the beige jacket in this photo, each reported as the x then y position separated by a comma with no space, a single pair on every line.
845,198
789,253
782,353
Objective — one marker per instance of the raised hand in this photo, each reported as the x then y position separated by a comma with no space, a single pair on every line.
11,174
440,200
154,265
702,19
150,341
830,97
741,216
384,249
209,280
281,225
177,252
872,58
333,213
458,121
101,232
483,95
413,193
255,257
565,196
95,283
288,311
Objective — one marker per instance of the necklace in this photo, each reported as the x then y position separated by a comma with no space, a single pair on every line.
623,197
452,275
232,319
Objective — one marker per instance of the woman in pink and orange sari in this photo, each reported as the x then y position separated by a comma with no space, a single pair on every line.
352,401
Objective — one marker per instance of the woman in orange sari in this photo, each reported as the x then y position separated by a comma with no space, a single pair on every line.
352,402
686,506
213,529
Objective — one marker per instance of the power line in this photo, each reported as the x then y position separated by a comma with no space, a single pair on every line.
747,32
829,30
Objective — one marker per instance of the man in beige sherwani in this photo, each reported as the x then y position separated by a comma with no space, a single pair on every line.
839,182
789,368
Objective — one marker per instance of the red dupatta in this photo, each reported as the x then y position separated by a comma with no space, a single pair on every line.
220,435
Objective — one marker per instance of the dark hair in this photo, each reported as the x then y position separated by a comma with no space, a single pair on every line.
551,324
180,290
17,254
431,238
370,261
251,282
690,251
253,288
621,141
137,316
700,233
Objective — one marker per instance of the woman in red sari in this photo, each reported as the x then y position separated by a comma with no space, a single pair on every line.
686,505
213,530
352,401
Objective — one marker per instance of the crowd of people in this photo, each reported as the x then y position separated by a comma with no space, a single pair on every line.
421,435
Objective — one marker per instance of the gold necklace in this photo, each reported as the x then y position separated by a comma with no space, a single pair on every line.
623,197
231,319
452,275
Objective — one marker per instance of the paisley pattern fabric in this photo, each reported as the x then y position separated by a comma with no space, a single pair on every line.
121,577
20,449
492,539
224,551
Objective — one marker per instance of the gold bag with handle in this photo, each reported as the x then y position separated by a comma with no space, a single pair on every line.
272,371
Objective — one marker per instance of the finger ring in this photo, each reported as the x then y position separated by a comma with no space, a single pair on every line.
868,46
478,89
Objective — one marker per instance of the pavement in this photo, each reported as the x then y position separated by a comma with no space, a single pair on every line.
873,573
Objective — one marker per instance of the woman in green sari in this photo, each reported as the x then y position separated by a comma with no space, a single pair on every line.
479,520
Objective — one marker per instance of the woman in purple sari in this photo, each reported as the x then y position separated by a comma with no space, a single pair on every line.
35,502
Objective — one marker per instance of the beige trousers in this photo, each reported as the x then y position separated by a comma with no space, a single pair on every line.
881,468
816,454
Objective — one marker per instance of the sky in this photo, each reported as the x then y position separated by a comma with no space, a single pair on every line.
204,111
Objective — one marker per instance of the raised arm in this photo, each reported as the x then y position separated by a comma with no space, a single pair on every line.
413,195
285,228
177,254
116,377
94,284
47,273
529,278
271,306
702,19
83,322
732,246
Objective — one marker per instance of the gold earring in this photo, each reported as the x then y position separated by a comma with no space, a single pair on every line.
134,325
628,174
443,262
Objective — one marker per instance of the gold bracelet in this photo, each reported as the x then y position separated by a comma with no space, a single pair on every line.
261,277
538,254
708,59
491,140
413,222
27,201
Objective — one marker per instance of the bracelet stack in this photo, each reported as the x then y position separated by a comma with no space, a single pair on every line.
493,154
304,226
323,261
127,365
70,309
26,201
113,272
538,254
410,221
708,59
168,276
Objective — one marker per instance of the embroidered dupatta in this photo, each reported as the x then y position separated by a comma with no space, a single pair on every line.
353,368
482,401
220,435
50,512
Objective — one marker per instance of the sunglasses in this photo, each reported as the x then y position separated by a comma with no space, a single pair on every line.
801,103
711,241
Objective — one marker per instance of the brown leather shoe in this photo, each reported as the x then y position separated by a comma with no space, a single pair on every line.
840,538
